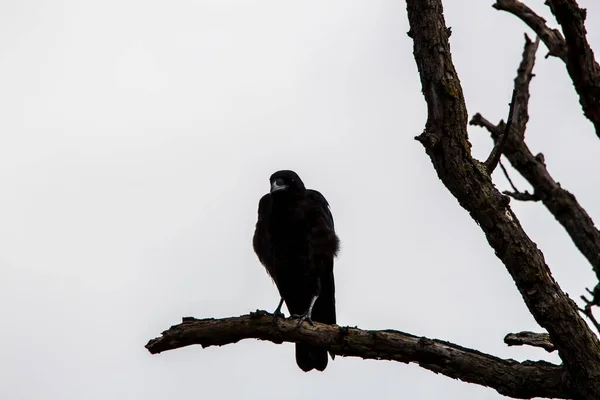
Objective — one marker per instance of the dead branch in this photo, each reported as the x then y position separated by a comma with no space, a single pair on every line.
494,158
518,104
446,142
508,377
521,196
580,61
573,48
587,310
530,339
552,38
560,202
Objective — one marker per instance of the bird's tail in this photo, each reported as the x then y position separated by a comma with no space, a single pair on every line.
308,357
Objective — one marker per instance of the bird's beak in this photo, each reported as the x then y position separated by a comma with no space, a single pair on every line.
277,184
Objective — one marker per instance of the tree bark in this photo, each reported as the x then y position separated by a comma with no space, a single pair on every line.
446,142
530,339
508,377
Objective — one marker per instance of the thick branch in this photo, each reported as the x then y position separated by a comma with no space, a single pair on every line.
530,339
581,64
446,142
508,377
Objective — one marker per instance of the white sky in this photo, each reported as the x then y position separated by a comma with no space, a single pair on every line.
138,136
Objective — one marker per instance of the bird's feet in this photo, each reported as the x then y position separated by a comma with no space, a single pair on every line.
304,317
277,313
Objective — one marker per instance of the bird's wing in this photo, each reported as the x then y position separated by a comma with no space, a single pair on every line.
320,200
261,237
263,206
324,310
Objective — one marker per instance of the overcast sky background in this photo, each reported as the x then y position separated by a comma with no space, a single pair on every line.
138,136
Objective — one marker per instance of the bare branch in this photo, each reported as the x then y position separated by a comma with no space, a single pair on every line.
507,176
522,81
573,48
530,339
508,377
522,196
587,310
518,112
581,64
519,102
595,295
552,38
479,120
560,202
494,158
446,142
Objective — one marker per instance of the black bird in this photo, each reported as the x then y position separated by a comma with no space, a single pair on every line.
296,242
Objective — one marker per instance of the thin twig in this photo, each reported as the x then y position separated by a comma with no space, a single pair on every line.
522,196
496,153
508,177
587,311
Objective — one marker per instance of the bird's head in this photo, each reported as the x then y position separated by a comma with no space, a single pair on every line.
286,181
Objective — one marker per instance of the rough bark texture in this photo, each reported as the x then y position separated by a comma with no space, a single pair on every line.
508,377
446,142
530,339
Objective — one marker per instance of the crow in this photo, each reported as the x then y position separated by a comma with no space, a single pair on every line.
295,241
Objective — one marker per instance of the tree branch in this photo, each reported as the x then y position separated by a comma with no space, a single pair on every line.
508,377
560,202
521,88
581,64
521,196
446,142
516,194
573,48
552,38
530,339
587,310
494,158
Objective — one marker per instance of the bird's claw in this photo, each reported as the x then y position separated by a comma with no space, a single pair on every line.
304,317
